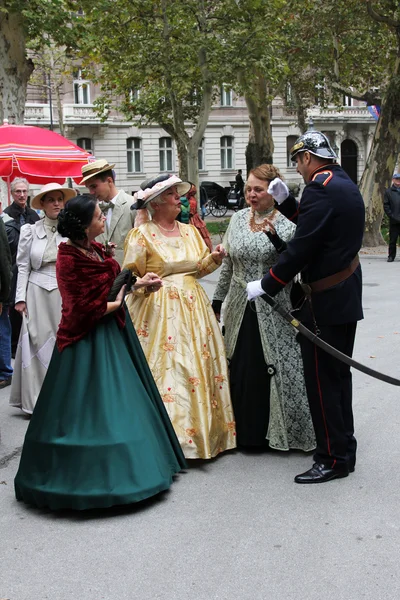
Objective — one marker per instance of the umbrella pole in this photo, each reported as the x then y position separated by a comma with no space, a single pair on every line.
8,191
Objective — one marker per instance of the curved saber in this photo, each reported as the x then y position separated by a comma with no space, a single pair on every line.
325,346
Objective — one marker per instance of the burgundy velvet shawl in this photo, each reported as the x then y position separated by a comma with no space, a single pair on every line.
84,285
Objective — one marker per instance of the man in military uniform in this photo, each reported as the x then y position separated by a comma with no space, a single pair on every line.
330,226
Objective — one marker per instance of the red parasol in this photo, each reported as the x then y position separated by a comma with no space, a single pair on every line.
39,155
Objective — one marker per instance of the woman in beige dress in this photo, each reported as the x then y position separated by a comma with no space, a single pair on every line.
37,297
176,326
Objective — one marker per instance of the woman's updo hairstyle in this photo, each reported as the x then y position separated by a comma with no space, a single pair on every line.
266,172
76,217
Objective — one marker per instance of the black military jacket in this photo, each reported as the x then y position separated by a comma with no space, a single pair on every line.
330,226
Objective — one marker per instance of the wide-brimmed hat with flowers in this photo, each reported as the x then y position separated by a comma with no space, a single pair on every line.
67,193
152,188
94,168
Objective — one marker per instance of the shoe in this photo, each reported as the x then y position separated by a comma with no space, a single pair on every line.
5,382
390,259
321,473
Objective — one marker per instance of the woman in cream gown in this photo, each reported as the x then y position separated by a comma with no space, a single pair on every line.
176,325
37,297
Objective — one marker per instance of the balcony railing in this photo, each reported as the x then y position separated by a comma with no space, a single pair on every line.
80,111
37,112
72,113
334,111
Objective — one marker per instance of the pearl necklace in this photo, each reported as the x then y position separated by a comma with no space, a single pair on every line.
164,228
260,226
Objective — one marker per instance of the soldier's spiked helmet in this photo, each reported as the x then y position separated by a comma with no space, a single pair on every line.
314,142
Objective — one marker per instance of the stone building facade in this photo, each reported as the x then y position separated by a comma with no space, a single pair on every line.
140,153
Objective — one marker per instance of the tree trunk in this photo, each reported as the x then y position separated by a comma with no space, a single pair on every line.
301,112
15,68
261,146
60,111
193,164
381,160
15,71
183,168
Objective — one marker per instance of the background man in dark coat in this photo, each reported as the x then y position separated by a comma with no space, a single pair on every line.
19,209
330,227
18,213
5,327
391,205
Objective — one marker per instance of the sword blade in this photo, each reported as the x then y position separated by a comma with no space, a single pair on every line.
325,346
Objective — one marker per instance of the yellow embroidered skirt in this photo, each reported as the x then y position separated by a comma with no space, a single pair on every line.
185,351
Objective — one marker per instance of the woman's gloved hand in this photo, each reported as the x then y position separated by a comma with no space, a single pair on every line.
216,306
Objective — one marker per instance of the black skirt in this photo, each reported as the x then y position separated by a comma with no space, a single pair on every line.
250,379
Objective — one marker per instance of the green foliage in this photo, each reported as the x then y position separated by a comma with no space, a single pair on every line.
43,20
385,228
258,28
168,51
337,43
217,227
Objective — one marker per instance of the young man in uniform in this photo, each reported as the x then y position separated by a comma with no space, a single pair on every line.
324,249
116,204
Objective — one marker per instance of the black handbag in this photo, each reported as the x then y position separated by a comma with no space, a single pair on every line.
123,278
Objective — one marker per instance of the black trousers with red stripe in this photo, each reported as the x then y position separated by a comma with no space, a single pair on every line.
329,391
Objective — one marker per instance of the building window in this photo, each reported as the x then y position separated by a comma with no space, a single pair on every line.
288,94
290,142
165,151
227,152
320,94
134,155
226,96
134,95
81,88
194,97
85,144
348,101
200,156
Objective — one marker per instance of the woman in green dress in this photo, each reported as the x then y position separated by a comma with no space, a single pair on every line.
99,435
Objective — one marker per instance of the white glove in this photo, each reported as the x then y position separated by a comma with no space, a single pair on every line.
254,289
278,190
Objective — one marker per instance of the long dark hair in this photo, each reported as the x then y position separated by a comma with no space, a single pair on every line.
76,217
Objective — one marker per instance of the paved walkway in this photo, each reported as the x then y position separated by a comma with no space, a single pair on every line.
236,527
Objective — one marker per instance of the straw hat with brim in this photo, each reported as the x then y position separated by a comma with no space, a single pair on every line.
67,193
94,168
150,189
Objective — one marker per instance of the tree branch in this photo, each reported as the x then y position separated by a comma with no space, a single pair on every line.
381,18
369,96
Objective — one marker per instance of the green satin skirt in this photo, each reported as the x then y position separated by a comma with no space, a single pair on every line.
99,435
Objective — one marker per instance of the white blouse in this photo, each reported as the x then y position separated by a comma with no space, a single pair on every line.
36,256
